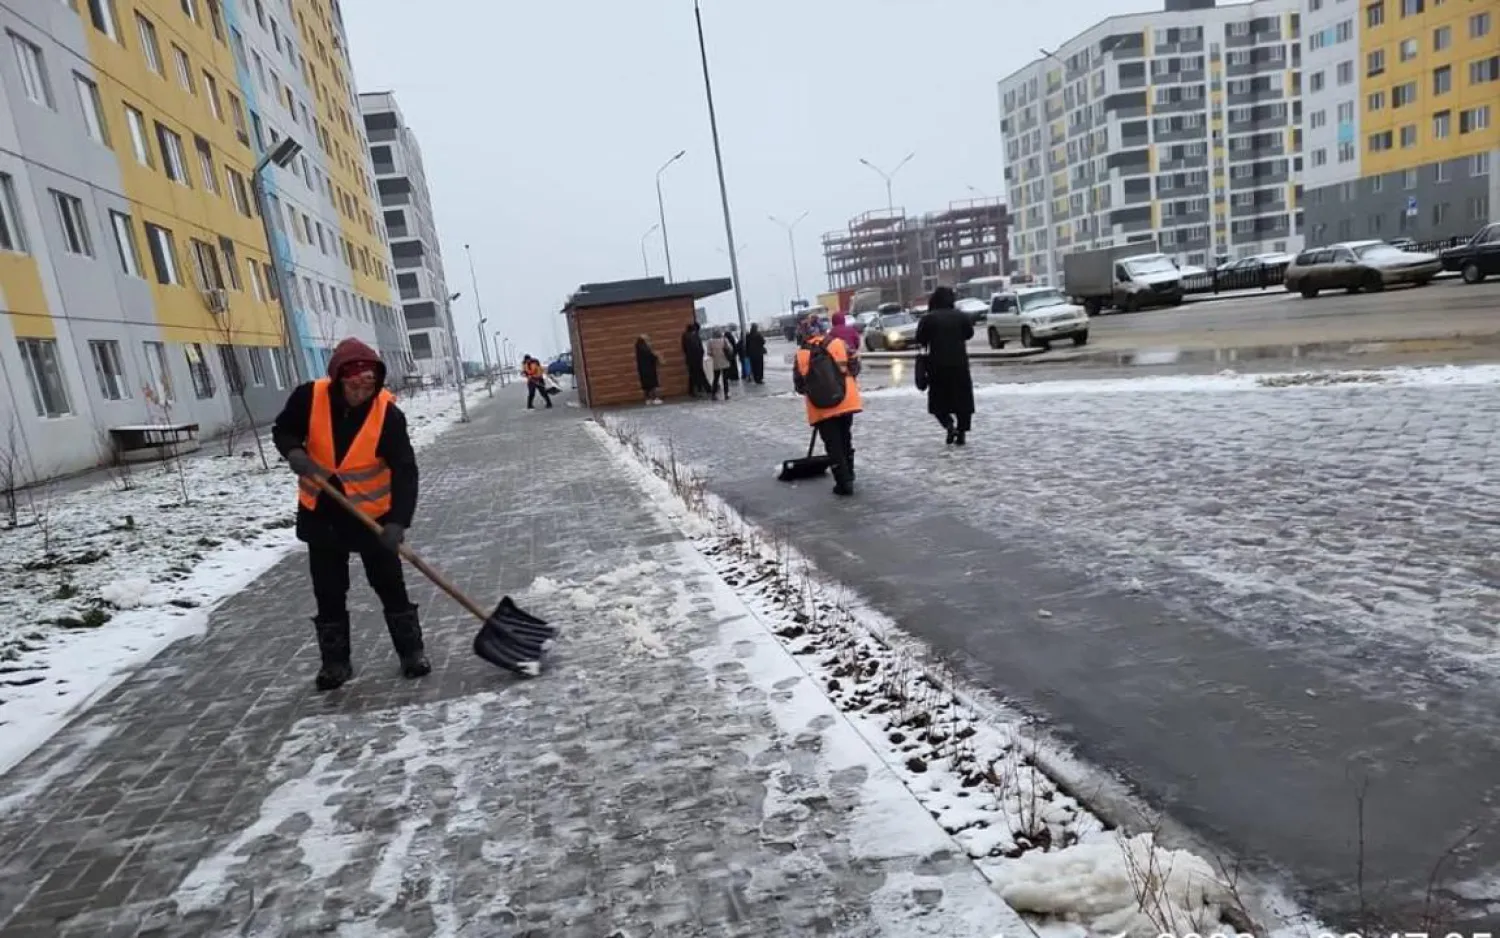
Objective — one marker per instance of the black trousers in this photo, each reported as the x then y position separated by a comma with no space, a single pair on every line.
329,566
959,422
697,379
532,390
758,368
725,375
837,434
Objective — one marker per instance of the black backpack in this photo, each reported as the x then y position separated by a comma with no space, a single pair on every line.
824,380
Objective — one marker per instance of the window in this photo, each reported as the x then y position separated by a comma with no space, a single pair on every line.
12,236
1409,136
184,69
203,379
1380,141
257,357
156,369
136,123
1442,125
238,192
1376,101
257,284
231,262
1402,95
273,288
149,48
172,158
93,109
163,254
1314,83
211,92
102,15
124,228
44,373
279,370
1412,7
190,9
109,368
1442,80
1346,111
216,18
1320,157
1479,164
1479,25
206,165
1409,49
237,117
231,365
1375,62
1479,209
33,70
1485,70
75,226
1441,173
1409,179
1474,119
1375,14
206,266
1439,212
1346,72
1442,38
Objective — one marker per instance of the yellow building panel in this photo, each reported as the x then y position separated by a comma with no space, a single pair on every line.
25,299
1413,60
1155,215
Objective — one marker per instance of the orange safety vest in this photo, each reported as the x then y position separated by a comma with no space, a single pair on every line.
532,371
852,403
365,476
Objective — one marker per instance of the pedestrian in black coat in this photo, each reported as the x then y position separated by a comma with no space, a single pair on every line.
353,388
733,373
945,332
646,361
755,350
692,353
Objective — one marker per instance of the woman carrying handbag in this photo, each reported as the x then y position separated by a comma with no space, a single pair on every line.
942,369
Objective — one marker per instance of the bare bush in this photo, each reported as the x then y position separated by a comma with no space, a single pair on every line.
120,471
10,469
160,408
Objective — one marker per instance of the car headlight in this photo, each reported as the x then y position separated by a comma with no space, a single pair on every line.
893,337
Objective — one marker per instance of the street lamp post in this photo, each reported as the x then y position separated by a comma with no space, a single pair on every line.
899,242
713,123
499,359
791,243
463,406
661,209
281,155
484,347
645,261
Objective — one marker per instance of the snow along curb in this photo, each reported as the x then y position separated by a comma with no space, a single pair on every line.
970,761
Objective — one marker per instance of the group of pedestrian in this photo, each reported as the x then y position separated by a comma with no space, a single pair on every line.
827,367
726,358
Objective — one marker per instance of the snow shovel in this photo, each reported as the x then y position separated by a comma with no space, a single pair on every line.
510,637
809,467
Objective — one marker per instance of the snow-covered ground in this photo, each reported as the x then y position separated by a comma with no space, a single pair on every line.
990,777
98,579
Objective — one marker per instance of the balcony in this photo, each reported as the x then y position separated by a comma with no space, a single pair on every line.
1258,208
1261,180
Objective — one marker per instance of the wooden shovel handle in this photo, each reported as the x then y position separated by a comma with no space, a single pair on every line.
405,551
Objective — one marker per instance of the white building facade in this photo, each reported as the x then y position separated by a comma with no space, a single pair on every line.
1180,125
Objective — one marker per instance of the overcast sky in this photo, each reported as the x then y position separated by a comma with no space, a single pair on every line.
543,123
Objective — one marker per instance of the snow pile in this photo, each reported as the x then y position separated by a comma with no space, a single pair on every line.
1119,886
987,774
98,578
1230,380
623,597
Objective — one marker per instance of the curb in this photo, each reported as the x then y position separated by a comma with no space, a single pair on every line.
1341,348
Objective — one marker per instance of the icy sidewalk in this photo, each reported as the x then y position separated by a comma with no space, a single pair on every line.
675,772
99,578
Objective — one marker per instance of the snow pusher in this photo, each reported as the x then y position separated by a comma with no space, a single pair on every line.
509,637
808,467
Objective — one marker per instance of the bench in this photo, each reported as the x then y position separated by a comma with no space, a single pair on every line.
146,442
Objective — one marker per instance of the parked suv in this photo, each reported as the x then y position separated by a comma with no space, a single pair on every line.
1477,259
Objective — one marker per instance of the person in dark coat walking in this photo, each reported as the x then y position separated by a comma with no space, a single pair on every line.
755,352
945,333
734,343
346,428
646,362
692,353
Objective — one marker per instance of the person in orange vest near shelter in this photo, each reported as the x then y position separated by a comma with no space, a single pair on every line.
536,381
346,428
824,374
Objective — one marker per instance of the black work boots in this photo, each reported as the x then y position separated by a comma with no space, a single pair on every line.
406,635
333,648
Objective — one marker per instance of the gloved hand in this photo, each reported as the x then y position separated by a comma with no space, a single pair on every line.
392,536
301,463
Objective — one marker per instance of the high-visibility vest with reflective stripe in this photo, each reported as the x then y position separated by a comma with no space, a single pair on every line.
365,476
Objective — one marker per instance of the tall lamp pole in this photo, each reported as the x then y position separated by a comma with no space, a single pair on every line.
458,361
484,347
713,122
791,243
661,210
900,239
281,155
645,261
499,359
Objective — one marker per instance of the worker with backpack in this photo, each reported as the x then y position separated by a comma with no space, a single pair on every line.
824,374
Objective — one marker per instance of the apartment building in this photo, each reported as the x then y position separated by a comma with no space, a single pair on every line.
406,206
136,282
1402,109
1180,124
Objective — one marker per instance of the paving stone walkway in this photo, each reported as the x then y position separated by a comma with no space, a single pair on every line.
675,774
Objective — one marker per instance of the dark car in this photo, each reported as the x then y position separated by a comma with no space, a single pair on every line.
1358,265
1477,259
561,365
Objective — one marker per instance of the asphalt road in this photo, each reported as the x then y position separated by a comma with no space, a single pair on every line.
1257,602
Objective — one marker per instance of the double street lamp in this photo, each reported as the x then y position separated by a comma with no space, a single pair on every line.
280,155
899,241
661,209
458,361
